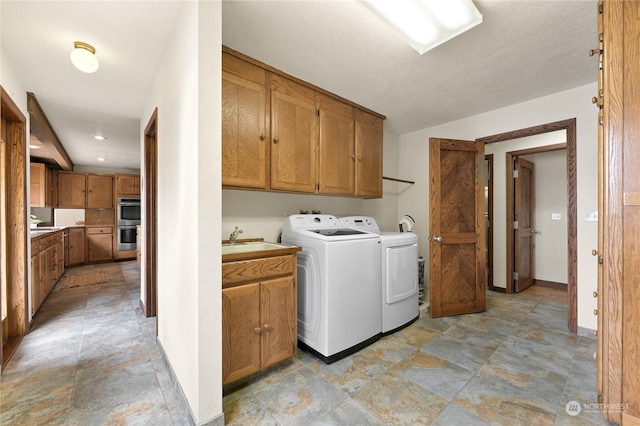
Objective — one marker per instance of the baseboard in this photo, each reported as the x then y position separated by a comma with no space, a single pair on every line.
586,332
217,421
550,284
497,289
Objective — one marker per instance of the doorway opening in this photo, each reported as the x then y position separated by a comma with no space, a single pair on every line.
569,127
150,256
14,297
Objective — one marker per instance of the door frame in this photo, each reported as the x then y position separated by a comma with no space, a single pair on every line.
569,126
15,208
150,303
489,230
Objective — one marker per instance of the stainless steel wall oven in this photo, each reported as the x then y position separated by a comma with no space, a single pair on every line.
128,218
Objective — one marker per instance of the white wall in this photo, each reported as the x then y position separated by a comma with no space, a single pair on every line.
187,93
574,103
550,196
261,214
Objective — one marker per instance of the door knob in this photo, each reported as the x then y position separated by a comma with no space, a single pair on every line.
535,232
437,239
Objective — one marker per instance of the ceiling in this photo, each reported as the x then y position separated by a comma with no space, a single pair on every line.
523,50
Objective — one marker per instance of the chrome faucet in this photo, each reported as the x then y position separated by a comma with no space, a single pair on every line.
234,235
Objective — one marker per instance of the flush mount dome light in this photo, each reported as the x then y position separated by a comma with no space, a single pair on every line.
83,57
425,24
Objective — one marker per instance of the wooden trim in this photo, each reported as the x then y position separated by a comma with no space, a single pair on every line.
572,196
550,284
151,216
276,71
15,208
489,236
41,127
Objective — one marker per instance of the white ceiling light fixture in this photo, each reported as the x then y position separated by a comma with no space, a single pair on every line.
100,137
83,57
425,24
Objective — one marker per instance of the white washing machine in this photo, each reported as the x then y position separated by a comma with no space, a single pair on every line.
398,256
338,285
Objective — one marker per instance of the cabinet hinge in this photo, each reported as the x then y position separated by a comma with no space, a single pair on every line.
318,112
515,276
515,174
600,399
515,224
600,8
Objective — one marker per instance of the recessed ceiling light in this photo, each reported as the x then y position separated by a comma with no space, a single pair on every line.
101,159
83,57
100,137
34,147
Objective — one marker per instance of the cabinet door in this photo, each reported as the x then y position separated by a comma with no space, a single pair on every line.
37,175
99,191
51,178
244,125
75,246
99,247
127,185
336,168
294,136
369,133
241,329
278,312
72,190
38,275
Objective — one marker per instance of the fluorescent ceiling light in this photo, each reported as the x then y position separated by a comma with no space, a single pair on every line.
425,24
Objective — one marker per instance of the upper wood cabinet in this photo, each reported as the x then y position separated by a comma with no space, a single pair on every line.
42,185
293,136
78,190
72,188
99,191
127,185
280,133
336,146
244,124
369,135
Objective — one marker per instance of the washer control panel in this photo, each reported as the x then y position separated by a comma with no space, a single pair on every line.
361,222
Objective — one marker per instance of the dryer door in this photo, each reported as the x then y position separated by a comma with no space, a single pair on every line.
401,274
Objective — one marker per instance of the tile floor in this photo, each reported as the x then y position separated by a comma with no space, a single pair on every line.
91,359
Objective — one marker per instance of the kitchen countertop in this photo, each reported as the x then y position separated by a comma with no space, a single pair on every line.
254,249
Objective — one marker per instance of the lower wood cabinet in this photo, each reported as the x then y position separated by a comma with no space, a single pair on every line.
99,243
75,246
47,266
259,314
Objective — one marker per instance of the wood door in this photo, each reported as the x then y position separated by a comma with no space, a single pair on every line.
75,246
100,191
99,246
337,146
278,315
294,136
523,225
244,131
37,174
72,188
369,137
456,198
241,331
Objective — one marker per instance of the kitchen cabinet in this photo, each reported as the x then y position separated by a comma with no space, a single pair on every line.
336,146
75,246
618,253
369,135
42,185
77,190
127,185
244,124
99,243
293,136
259,314
99,191
47,265
72,188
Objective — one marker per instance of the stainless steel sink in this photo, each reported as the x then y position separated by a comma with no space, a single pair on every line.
251,246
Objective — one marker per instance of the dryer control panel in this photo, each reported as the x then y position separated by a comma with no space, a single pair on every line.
365,223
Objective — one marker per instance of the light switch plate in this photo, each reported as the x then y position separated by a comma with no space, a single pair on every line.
556,216
590,215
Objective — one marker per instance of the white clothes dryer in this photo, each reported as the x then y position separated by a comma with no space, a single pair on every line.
338,285
398,257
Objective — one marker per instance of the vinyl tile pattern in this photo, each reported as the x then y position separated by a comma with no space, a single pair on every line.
515,364
91,359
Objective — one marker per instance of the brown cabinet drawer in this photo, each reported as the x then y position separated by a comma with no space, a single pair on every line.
100,230
257,269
